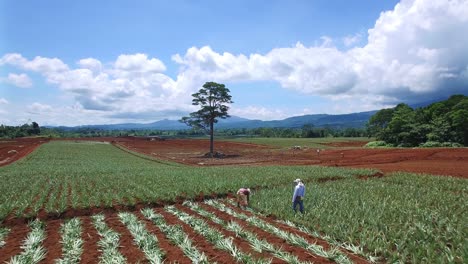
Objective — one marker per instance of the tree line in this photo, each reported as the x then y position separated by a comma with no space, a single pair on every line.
24,130
307,131
443,123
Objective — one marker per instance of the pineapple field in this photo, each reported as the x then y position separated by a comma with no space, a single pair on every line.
95,202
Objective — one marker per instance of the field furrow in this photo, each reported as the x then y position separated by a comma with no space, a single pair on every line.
90,237
128,248
177,236
109,242
53,238
32,248
213,254
311,237
218,237
263,240
13,241
332,253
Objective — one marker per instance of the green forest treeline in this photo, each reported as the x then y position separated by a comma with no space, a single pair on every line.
443,123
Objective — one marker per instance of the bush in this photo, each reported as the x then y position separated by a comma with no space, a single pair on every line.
378,144
431,144
435,144
452,145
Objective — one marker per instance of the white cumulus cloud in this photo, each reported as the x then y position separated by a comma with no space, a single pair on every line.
138,63
90,64
132,86
417,49
38,108
20,80
258,112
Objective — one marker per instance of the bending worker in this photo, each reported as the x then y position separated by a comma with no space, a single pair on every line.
243,197
298,195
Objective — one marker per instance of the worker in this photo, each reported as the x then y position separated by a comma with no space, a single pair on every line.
243,195
298,196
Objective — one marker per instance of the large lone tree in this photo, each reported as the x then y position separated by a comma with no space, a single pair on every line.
212,99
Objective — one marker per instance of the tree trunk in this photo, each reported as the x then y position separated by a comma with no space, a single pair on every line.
211,138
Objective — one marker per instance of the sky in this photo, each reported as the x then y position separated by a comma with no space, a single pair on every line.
105,62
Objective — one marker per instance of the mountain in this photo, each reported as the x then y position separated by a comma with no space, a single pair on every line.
354,120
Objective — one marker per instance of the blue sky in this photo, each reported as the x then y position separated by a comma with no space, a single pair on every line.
94,62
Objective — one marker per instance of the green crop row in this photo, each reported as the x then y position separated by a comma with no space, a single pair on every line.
66,174
403,217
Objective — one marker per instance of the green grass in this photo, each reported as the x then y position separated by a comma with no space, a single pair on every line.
290,142
102,175
404,217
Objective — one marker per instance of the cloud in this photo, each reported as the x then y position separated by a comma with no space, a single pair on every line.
38,108
138,63
352,39
150,114
38,64
131,84
3,101
413,51
256,112
90,64
20,80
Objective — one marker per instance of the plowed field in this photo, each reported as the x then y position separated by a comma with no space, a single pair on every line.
14,149
91,250
438,161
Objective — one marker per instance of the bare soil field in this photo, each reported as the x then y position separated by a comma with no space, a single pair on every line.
14,149
439,161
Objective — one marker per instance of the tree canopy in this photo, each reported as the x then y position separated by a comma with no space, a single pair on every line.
213,100
442,122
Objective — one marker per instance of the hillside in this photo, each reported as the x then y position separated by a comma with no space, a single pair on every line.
354,120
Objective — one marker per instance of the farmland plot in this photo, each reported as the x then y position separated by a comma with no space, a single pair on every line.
401,217
188,233
60,176
87,197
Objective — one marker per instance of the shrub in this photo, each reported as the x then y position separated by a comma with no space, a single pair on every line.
435,144
378,144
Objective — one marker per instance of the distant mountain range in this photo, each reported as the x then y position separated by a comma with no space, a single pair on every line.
354,120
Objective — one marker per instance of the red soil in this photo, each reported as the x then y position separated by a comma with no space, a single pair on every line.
14,149
213,254
438,161
302,254
90,237
241,244
174,254
53,239
453,162
127,247
313,240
